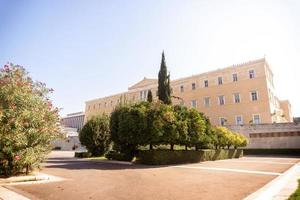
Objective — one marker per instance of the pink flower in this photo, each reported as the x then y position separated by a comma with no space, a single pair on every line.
49,104
17,157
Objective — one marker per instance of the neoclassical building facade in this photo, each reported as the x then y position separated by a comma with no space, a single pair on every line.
235,95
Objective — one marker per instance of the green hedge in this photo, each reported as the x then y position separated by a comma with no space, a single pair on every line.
83,154
165,157
113,155
295,152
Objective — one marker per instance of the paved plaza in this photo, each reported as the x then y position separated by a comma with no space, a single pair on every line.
223,179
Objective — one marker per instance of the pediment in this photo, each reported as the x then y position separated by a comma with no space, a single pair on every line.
143,83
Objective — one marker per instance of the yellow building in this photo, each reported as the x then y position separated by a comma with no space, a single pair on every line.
238,94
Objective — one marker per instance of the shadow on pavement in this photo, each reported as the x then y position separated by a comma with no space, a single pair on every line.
75,164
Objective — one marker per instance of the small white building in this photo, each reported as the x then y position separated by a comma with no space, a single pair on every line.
69,141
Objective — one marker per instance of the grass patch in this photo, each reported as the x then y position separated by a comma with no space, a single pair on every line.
82,155
97,158
296,194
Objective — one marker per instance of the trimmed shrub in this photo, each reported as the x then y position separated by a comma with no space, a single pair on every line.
156,123
223,137
165,157
82,154
239,141
95,135
128,128
196,128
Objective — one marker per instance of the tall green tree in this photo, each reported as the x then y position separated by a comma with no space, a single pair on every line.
149,96
164,88
95,135
28,121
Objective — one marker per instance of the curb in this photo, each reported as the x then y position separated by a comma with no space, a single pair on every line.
40,178
23,179
6,194
279,188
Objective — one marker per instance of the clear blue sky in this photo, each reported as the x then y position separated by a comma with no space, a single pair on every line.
89,49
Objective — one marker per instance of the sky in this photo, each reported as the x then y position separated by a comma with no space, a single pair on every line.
91,49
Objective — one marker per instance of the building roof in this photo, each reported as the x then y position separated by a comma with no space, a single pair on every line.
142,83
251,62
150,81
77,114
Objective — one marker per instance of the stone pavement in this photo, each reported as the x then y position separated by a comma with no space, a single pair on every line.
223,179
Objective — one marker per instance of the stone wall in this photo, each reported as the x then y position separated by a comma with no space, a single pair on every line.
270,136
70,143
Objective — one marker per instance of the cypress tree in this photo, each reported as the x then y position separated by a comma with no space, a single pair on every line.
149,96
164,89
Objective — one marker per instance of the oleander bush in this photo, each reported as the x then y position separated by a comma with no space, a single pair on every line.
28,121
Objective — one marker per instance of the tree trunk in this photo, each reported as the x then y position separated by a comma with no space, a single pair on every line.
185,147
172,147
151,147
27,169
9,169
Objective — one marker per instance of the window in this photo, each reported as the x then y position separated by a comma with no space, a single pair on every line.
222,121
181,88
251,74
256,119
236,98
141,95
238,120
194,103
221,100
99,105
234,77
254,96
193,86
206,83
206,101
105,104
220,80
